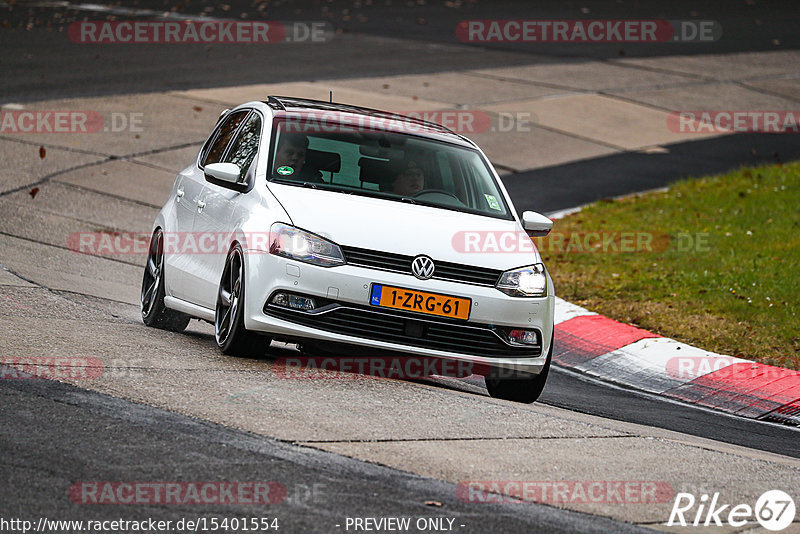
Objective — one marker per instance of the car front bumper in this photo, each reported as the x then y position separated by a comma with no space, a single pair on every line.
348,288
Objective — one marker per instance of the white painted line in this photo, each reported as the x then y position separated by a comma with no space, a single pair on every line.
591,380
566,310
127,11
656,364
560,214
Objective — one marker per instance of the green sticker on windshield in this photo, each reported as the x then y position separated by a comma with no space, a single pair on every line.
493,203
285,171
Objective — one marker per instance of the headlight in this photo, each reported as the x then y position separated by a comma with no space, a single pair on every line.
291,242
524,282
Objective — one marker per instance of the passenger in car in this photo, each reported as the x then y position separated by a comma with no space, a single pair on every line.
290,159
409,181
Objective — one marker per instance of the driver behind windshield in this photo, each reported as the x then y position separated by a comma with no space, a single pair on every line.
290,159
409,181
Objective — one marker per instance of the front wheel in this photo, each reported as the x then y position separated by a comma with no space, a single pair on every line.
154,312
232,337
519,387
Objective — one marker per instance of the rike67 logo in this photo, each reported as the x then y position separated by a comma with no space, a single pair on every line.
774,510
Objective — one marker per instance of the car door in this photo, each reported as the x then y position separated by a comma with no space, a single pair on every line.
176,261
191,204
219,203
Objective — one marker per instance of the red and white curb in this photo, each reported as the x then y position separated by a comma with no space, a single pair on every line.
627,355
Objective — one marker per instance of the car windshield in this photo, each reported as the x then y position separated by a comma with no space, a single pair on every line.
384,163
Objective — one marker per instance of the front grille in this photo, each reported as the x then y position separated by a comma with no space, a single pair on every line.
432,333
400,263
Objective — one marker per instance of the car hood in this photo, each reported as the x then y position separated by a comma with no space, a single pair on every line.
409,229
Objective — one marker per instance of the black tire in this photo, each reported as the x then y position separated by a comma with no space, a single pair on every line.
519,387
154,312
229,331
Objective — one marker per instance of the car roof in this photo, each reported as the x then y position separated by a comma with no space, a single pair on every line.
350,114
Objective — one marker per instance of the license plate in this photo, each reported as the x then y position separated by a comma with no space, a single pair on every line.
420,301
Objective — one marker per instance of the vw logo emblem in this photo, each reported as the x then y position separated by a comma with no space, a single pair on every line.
422,267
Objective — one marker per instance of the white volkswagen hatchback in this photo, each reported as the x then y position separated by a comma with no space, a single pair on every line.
313,222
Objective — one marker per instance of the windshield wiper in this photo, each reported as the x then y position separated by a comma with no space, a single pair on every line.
312,185
409,200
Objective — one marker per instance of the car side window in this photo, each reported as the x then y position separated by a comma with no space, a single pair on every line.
244,148
222,137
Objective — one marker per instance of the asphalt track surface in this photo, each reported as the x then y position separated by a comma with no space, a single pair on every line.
60,433
46,425
418,39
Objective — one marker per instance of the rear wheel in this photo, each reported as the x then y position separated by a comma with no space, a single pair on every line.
154,312
517,386
232,337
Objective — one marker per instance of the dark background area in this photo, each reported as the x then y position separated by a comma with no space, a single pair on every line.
372,37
